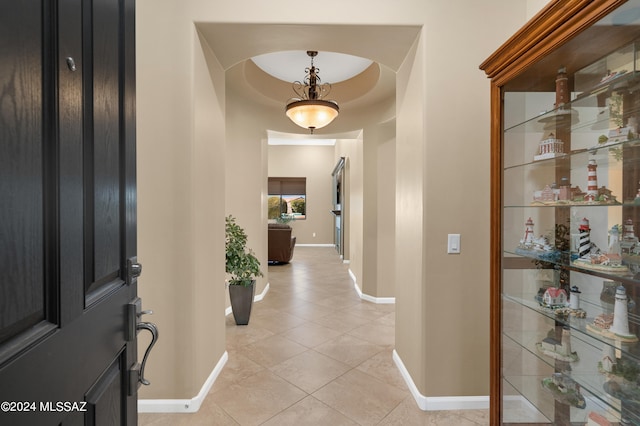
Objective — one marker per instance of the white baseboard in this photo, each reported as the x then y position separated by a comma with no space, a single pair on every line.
257,298
436,403
315,245
368,298
183,405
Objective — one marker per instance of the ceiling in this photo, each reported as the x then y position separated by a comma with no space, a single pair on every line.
384,47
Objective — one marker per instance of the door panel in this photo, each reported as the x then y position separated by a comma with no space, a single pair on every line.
67,172
22,298
104,404
103,149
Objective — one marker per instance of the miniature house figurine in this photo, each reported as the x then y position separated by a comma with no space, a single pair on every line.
566,194
554,297
549,147
618,135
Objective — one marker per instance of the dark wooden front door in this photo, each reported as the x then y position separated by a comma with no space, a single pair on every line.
68,354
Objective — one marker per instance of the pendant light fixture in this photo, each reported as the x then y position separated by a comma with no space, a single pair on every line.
310,110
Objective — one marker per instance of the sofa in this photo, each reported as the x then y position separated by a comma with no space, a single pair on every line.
281,243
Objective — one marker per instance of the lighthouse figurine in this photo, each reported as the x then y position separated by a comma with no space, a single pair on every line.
584,233
592,182
620,325
527,241
574,300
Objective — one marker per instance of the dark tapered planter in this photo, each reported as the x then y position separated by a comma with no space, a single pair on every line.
241,302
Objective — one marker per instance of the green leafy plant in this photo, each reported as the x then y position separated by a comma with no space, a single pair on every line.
299,206
241,263
284,219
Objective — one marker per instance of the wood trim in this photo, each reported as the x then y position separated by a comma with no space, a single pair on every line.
495,402
558,22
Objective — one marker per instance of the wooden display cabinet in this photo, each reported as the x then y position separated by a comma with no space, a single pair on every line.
565,203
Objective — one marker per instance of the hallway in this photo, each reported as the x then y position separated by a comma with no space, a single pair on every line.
313,353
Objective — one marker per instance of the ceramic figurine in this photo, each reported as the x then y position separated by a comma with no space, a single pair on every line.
629,239
608,361
584,235
596,419
564,390
554,297
537,247
630,247
574,298
592,182
549,147
560,350
551,195
620,325
591,257
615,326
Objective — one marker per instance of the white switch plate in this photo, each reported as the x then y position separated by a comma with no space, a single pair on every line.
453,244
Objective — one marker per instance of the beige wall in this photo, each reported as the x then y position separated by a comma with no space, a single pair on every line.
378,272
316,164
180,218
443,187
246,176
187,150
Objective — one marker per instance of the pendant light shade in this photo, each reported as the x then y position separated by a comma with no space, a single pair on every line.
310,110
312,114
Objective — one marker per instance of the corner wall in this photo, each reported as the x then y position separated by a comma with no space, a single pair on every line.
180,222
246,177
442,187
379,189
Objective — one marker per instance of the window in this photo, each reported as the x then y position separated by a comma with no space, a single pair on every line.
287,198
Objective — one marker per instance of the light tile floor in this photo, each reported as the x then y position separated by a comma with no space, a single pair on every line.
313,353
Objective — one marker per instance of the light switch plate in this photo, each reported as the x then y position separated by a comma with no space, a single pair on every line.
453,244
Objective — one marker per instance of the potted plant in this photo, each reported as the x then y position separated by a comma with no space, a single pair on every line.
243,267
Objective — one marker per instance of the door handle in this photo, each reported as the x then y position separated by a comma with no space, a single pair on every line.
153,329
134,325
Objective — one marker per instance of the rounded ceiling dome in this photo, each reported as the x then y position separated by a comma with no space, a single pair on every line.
332,67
